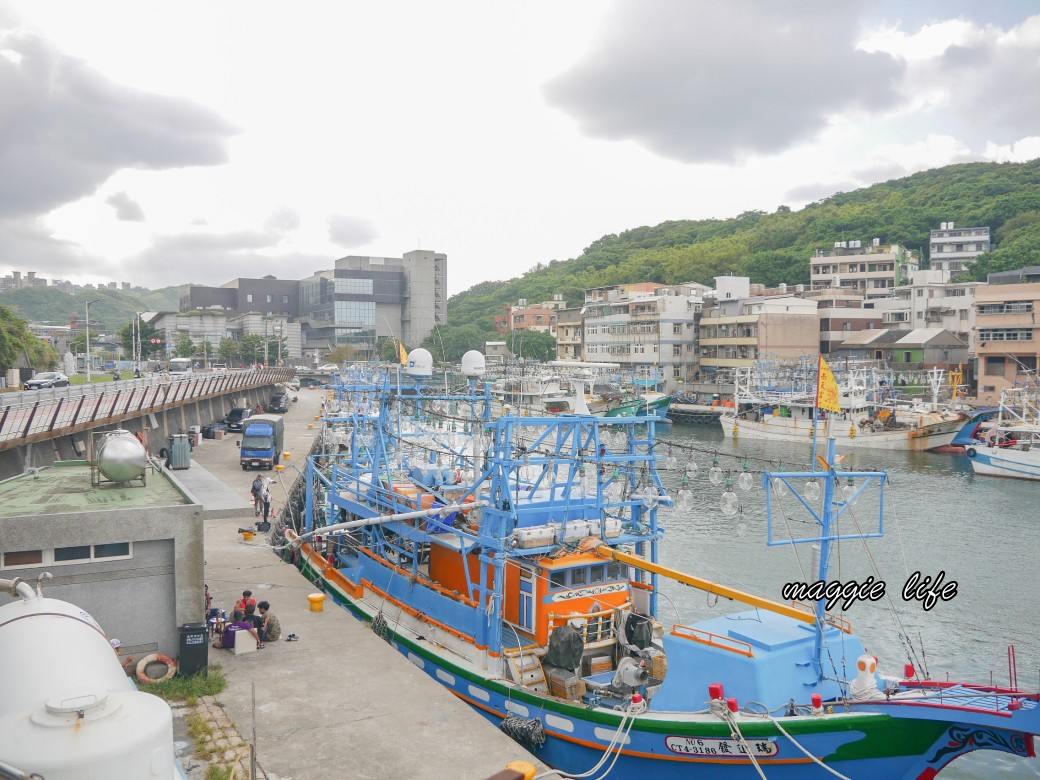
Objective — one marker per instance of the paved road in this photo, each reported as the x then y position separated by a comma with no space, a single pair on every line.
339,702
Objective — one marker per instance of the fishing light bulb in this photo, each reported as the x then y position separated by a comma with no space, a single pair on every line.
745,480
671,461
691,470
684,499
779,487
650,496
848,492
812,490
729,501
715,475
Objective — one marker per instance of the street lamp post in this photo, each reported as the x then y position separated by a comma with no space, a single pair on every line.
86,310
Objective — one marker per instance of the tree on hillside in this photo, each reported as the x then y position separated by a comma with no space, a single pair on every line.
451,343
531,344
16,339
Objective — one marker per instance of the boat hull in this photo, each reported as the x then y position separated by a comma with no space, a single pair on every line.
680,745
847,434
1005,462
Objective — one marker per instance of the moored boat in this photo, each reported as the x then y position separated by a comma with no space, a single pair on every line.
517,562
869,417
1011,447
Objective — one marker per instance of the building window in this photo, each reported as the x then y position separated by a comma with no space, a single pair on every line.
285,299
995,365
270,298
66,555
249,297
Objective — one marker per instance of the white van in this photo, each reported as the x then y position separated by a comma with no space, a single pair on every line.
181,366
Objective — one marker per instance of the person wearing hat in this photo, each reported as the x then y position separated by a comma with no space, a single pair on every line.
128,662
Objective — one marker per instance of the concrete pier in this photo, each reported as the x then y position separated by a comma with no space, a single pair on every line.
339,702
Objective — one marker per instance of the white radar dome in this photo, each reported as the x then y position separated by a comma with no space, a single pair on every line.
420,362
473,364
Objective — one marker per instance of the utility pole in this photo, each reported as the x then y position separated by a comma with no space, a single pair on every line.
86,310
266,344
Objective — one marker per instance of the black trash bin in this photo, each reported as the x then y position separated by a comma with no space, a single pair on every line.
194,649
207,431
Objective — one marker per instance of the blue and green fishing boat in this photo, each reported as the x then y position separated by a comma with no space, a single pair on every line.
517,562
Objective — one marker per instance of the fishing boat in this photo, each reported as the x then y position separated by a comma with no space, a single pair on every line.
1011,447
870,415
516,561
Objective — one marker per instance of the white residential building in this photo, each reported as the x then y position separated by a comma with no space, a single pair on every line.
954,249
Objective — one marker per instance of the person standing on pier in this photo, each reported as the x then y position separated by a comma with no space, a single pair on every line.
265,497
255,491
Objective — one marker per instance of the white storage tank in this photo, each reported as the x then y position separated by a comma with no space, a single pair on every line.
121,457
68,711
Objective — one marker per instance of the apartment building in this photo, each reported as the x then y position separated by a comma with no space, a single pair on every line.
568,334
1007,337
737,332
267,295
872,270
841,313
644,326
931,301
954,249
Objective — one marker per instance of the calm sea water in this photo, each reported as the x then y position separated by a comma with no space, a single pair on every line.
982,532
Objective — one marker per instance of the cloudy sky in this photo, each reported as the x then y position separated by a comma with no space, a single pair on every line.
201,141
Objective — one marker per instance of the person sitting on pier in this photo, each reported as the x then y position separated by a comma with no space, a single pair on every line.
256,620
229,636
271,628
243,603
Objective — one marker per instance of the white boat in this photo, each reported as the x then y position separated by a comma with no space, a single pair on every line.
1012,446
870,417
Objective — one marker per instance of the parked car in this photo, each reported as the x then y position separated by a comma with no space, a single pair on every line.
279,402
220,366
234,419
328,368
47,379
293,384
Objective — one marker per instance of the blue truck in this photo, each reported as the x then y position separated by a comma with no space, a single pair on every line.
262,438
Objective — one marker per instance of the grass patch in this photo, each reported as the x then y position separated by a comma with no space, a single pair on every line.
219,772
188,689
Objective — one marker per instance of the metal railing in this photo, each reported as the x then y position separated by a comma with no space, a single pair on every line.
60,411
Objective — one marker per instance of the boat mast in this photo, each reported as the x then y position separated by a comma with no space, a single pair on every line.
835,503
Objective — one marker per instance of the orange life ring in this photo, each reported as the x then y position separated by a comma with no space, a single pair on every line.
142,666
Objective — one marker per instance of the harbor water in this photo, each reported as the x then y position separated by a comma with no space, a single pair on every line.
980,532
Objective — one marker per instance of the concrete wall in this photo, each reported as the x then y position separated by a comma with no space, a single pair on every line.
142,599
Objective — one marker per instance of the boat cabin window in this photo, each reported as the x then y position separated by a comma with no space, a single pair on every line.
596,573
557,579
579,576
617,571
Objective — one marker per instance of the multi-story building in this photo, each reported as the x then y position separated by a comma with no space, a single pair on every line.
872,271
737,332
269,296
353,304
951,248
931,301
644,326
536,318
1007,336
841,313
213,326
568,334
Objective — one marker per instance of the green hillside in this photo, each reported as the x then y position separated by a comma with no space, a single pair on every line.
774,248
113,310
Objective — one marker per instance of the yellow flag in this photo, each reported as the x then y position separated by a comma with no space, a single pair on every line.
827,389
402,353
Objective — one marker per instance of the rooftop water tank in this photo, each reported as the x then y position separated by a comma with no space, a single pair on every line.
420,362
68,711
121,457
